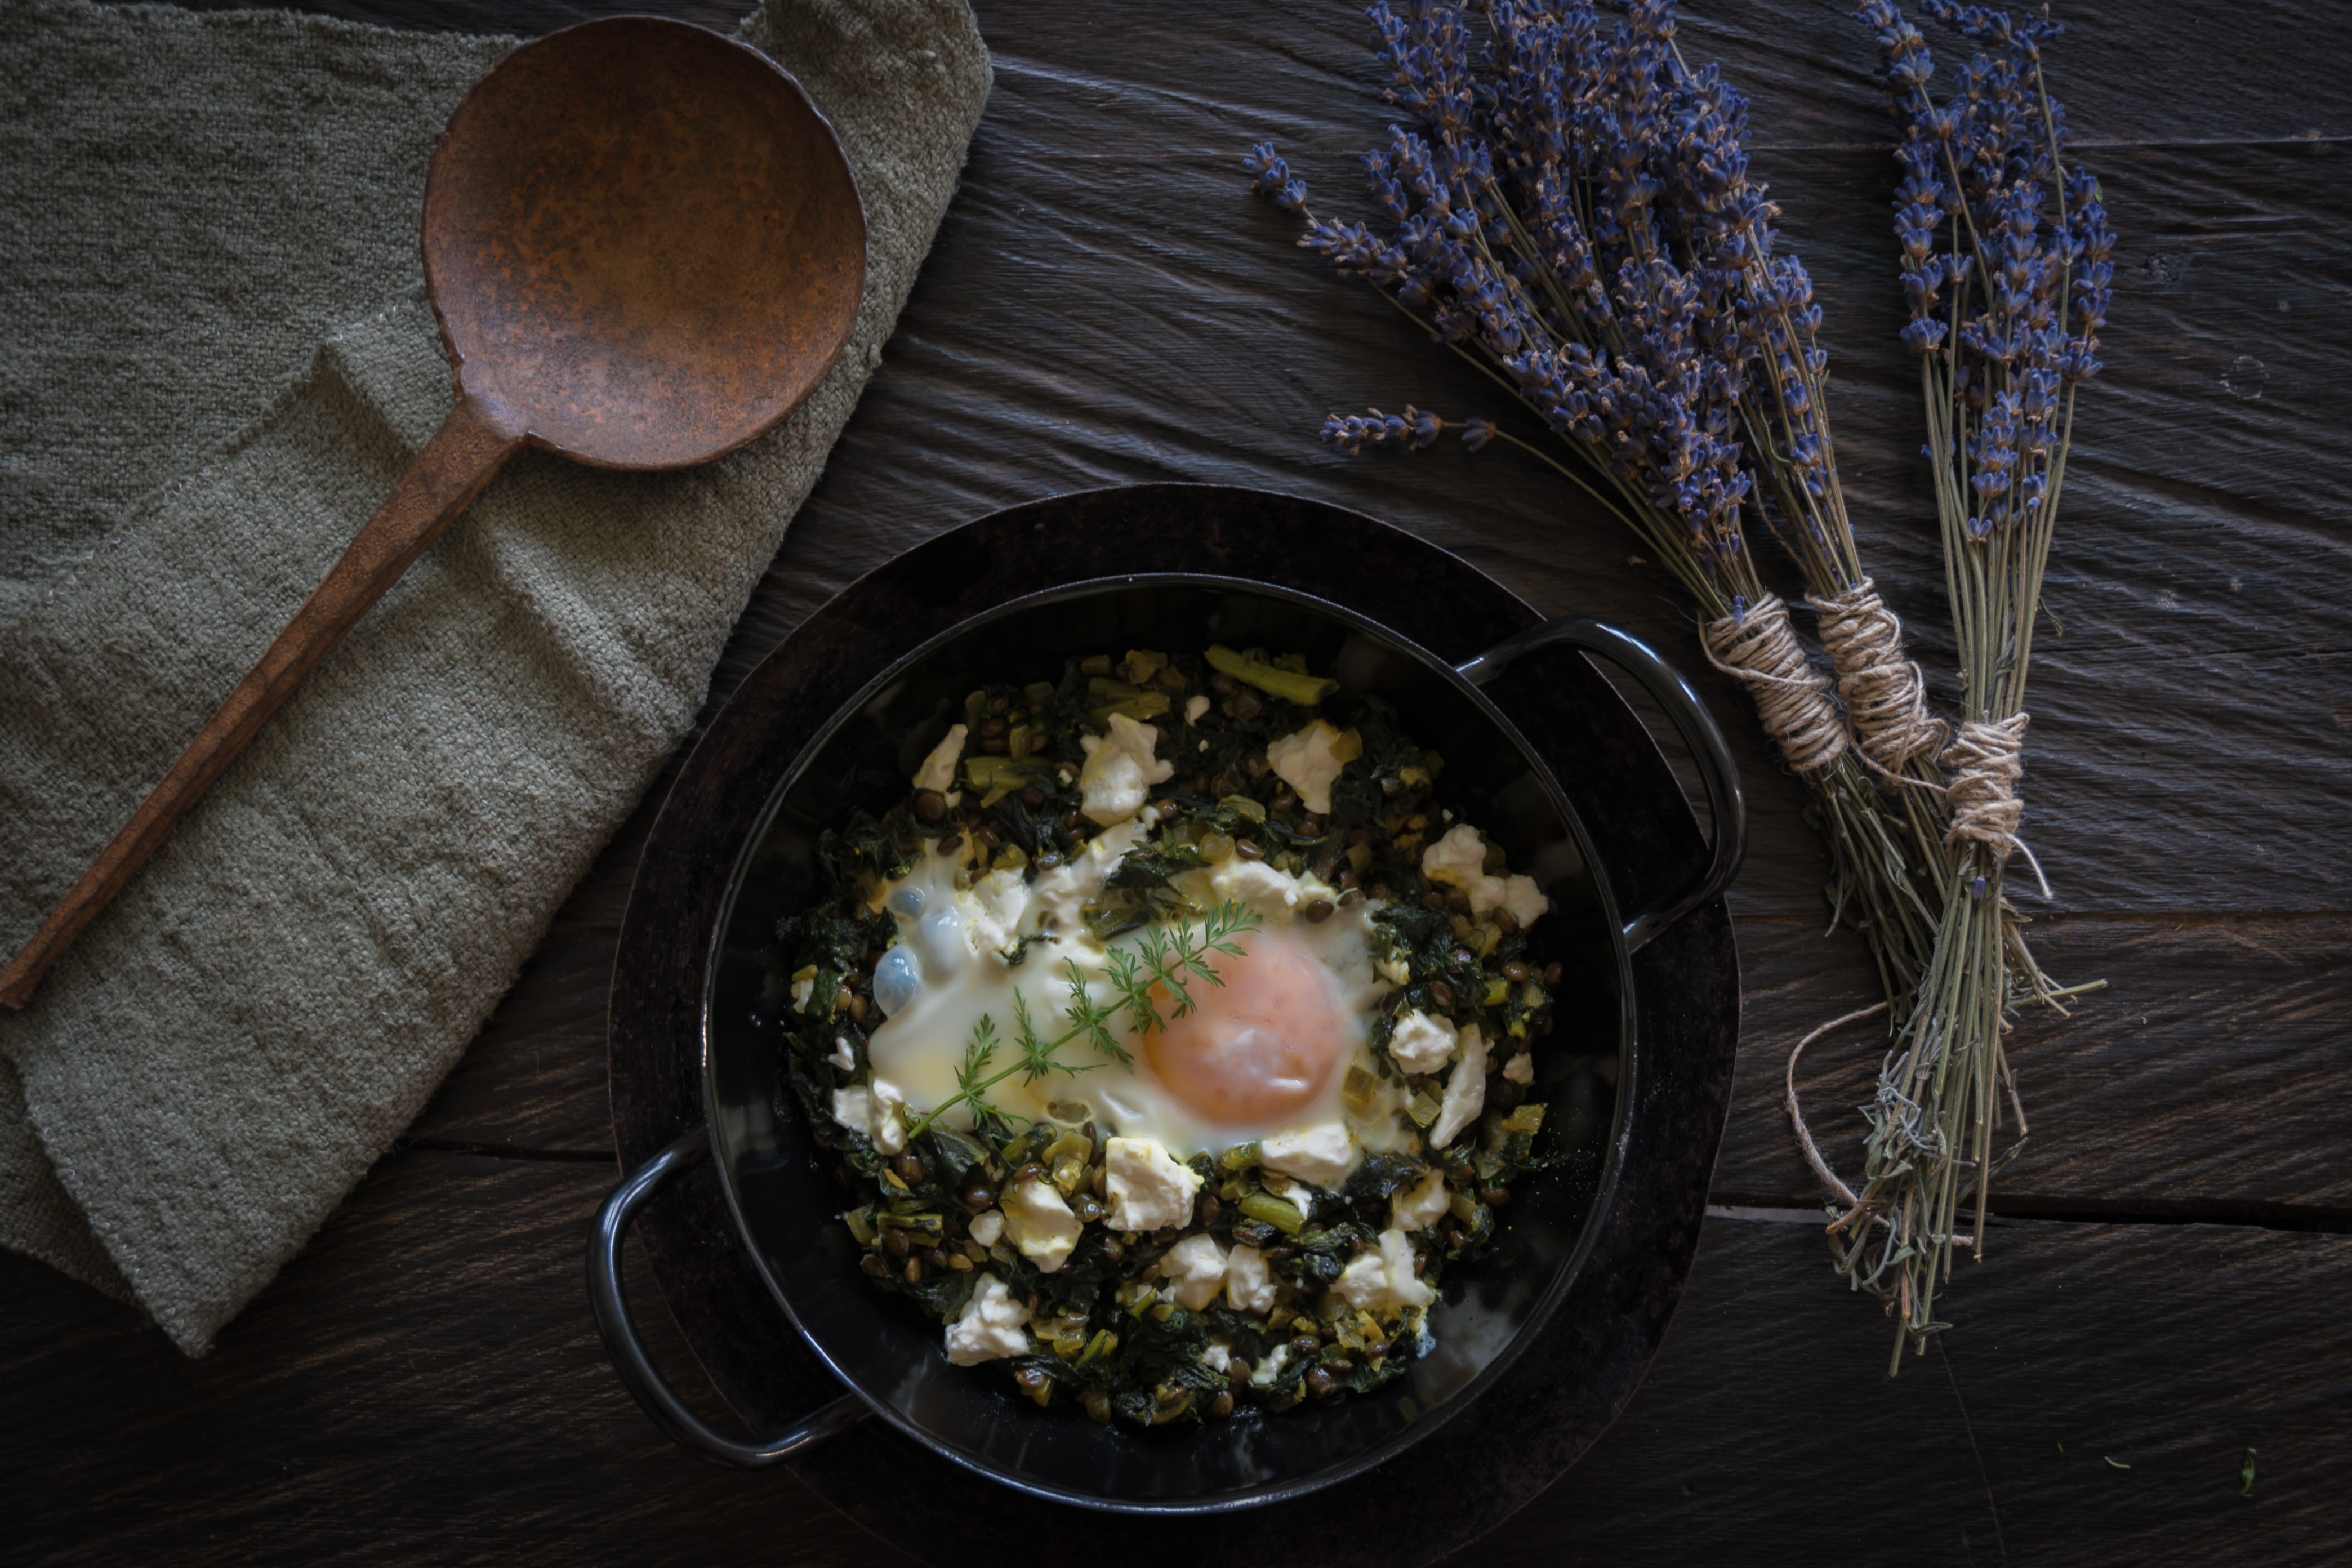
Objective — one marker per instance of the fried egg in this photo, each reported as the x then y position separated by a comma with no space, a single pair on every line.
1265,1054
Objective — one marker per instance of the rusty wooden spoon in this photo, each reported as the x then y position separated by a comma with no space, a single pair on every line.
646,248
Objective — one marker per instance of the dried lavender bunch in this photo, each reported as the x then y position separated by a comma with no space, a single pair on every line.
1574,215
2005,260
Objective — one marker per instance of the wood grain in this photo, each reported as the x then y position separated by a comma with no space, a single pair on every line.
415,1390
1106,304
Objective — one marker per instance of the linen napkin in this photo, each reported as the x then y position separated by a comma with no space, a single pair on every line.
190,204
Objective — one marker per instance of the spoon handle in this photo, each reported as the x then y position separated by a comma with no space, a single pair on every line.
454,467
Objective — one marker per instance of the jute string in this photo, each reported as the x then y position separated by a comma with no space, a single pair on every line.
1984,765
1886,696
1792,698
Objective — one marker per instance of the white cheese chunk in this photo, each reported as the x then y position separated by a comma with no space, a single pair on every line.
1523,899
1271,1367
1194,706
1310,758
1322,1155
994,911
1405,1287
1394,971
1459,861
1420,1043
1147,1188
854,1108
937,771
1256,884
990,1326
1520,1069
1249,1283
1421,1206
843,1057
1121,770
987,1226
800,991
1465,1090
889,1131
1195,1268
1364,1283
1217,1358
1041,1224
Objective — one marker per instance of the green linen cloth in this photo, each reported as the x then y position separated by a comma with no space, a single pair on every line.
220,361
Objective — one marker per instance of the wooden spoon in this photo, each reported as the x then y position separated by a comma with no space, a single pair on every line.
646,248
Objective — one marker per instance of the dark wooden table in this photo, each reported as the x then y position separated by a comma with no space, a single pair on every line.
2167,1286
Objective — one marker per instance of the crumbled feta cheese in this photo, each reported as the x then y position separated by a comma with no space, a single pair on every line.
1061,895
937,771
1249,1283
1041,1224
1147,1188
1520,1069
1121,770
1465,1090
1271,1367
1394,971
1420,1043
1310,758
1323,1155
990,1326
1405,1287
843,1057
1524,899
800,992
1384,1278
1217,1358
997,903
1255,883
1421,1206
1194,706
890,1133
1364,1283
1195,1268
987,1226
1459,859
853,1108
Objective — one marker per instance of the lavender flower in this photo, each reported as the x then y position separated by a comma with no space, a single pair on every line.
1356,434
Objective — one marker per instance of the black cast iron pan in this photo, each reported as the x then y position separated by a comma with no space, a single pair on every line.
1506,780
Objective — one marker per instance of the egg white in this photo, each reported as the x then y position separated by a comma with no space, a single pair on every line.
957,937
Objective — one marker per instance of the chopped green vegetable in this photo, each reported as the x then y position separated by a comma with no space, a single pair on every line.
1306,690
1283,1216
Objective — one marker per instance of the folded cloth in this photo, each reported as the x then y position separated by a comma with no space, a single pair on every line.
227,1050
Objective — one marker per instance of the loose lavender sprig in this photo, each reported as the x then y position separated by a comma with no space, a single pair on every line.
2005,261
1573,213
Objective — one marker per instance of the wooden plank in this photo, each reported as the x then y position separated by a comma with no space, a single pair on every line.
2210,1078
424,1384
1768,1432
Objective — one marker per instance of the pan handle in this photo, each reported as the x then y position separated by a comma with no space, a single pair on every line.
1725,801
611,1303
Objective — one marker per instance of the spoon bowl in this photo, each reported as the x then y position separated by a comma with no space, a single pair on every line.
644,241
644,247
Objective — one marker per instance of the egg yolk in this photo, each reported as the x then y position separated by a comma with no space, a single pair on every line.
1262,1046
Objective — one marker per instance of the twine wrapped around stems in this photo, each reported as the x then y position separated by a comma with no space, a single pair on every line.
1792,699
1984,762
1886,695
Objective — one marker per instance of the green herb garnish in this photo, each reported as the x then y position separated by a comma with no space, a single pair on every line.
1168,958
